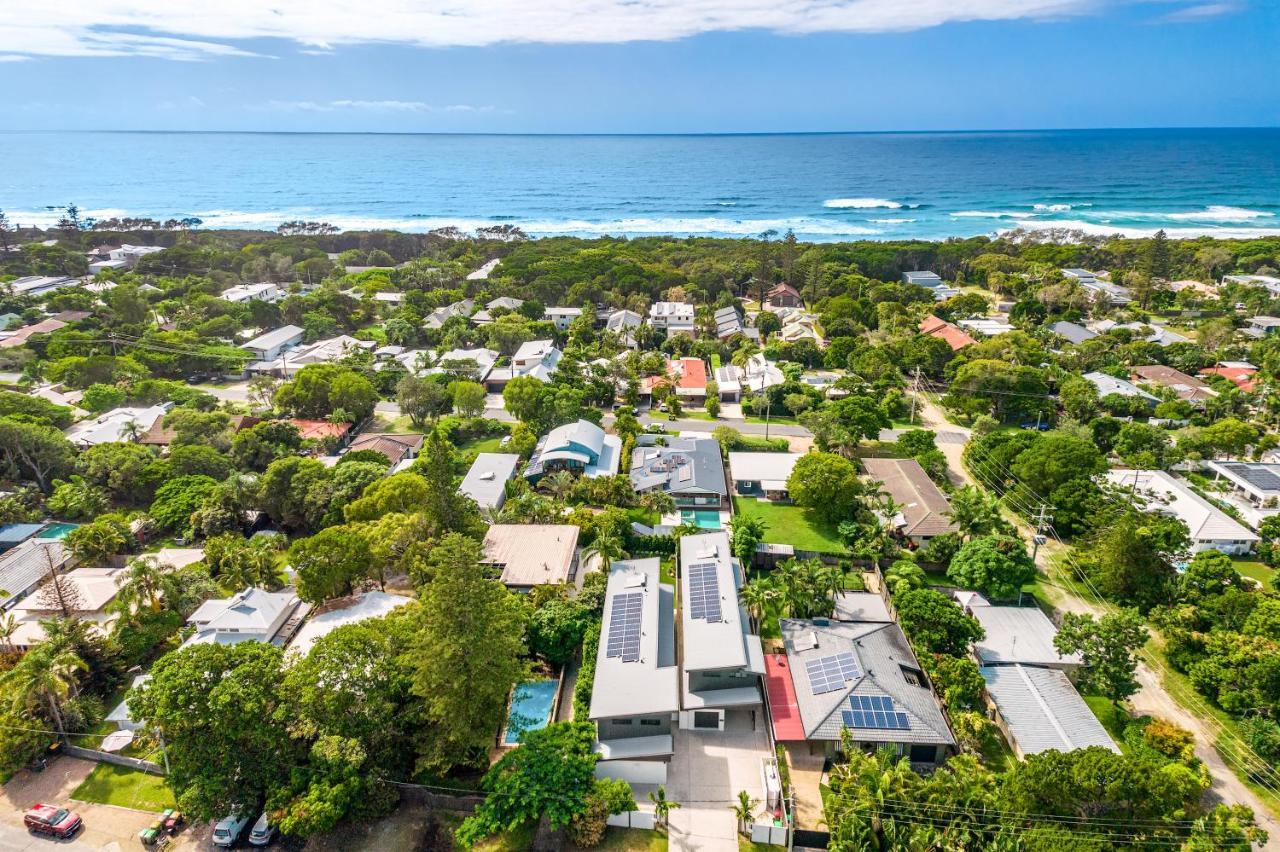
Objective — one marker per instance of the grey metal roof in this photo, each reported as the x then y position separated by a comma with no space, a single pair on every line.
486,481
18,533
24,566
1108,385
1018,634
683,466
721,643
272,339
1071,332
881,651
650,684
1042,710
861,606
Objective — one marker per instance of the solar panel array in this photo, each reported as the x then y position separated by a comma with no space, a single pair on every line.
827,674
874,711
1256,475
704,591
624,627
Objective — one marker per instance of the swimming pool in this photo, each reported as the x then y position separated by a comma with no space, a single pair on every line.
56,530
705,519
530,710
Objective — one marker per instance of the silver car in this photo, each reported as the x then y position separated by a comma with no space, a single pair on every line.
262,831
230,827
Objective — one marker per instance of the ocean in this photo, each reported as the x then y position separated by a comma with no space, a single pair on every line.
825,187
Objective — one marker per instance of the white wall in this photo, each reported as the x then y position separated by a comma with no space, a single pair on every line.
634,771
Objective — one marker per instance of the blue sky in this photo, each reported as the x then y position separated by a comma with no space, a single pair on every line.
564,66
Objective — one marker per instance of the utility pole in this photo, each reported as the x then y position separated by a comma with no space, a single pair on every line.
915,391
1041,523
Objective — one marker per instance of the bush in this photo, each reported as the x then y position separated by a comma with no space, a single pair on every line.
586,672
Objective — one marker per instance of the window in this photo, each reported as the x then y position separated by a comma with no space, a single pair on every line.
924,753
650,722
915,677
619,721
706,719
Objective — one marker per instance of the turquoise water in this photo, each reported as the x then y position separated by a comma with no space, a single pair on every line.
706,519
57,530
824,186
530,709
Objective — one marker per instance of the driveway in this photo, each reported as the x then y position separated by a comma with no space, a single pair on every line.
706,773
104,825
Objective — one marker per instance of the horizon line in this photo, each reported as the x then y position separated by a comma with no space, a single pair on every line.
650,134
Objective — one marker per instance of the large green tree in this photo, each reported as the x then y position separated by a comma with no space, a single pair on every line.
995,565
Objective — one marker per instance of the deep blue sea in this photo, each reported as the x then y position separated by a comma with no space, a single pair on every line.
823,186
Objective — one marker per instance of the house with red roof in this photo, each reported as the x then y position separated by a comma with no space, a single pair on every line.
943,330
1239,373
687,377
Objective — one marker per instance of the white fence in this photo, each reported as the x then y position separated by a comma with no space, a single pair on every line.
762,832
634,819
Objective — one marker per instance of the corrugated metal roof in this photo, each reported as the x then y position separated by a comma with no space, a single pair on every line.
1043,711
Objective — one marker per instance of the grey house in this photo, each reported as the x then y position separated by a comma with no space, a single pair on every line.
722,660
689,469
861,677
635,697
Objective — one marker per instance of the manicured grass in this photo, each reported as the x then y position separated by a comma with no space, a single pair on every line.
745,845
108,784
1256,570
630,840
643,516
481,445
779,419
696,414
787,524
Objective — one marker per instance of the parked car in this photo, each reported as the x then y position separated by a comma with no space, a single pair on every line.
52,820
262,831
230,827
655,427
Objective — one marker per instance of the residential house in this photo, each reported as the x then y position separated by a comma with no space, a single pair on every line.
635,695
688,468
265,291
1209,291
474,364
23,567
762,474
1257,327
12,535
441,315
1240,373
505,303
859,677
728,322
626,324
687,378
82,592
293,359
1253,487
1158,335
923,510
269,346
989,326
1210,527
1097,283
251,615
118,257
484,271
784,296
486,480
758,374
943,330
1072,332
19,336
1186,387
824,381
536,358
1270,282
160,435
1018,635
582,447
118,424
1038,710
932,282
39,285
399,448
721,660
1108,385
339,612
801,328
562,318
673,317
528,555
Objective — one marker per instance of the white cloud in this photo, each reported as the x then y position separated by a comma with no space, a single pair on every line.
1200,12
187,30
369,106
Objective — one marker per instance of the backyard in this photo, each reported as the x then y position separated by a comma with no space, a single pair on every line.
794,525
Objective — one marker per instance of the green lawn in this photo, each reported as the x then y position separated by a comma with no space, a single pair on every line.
108,784
792,525
630,840
1112,719
481,445
1255,569
778,419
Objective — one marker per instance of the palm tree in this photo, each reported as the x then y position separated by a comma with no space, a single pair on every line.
975,512
608,547
659,502
747,532
662,806
558,484
46,677
8,626
744,810
830,578
145,583
756,597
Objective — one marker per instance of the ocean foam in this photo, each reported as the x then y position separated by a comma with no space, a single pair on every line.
1104,229
991,214
862,203
891,221
1058,208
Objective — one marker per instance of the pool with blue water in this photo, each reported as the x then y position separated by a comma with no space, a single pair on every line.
530,709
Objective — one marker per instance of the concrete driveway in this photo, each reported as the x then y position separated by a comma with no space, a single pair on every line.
104,825
706,773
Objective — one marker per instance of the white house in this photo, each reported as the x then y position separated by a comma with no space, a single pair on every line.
118,424
333,614
291,360
268,346
672,317
252,615
1210,527
536,358
562,318
265,291
38,285
758,374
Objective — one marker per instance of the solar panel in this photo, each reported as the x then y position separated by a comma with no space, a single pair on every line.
625,615
704,591
830,673
876,712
